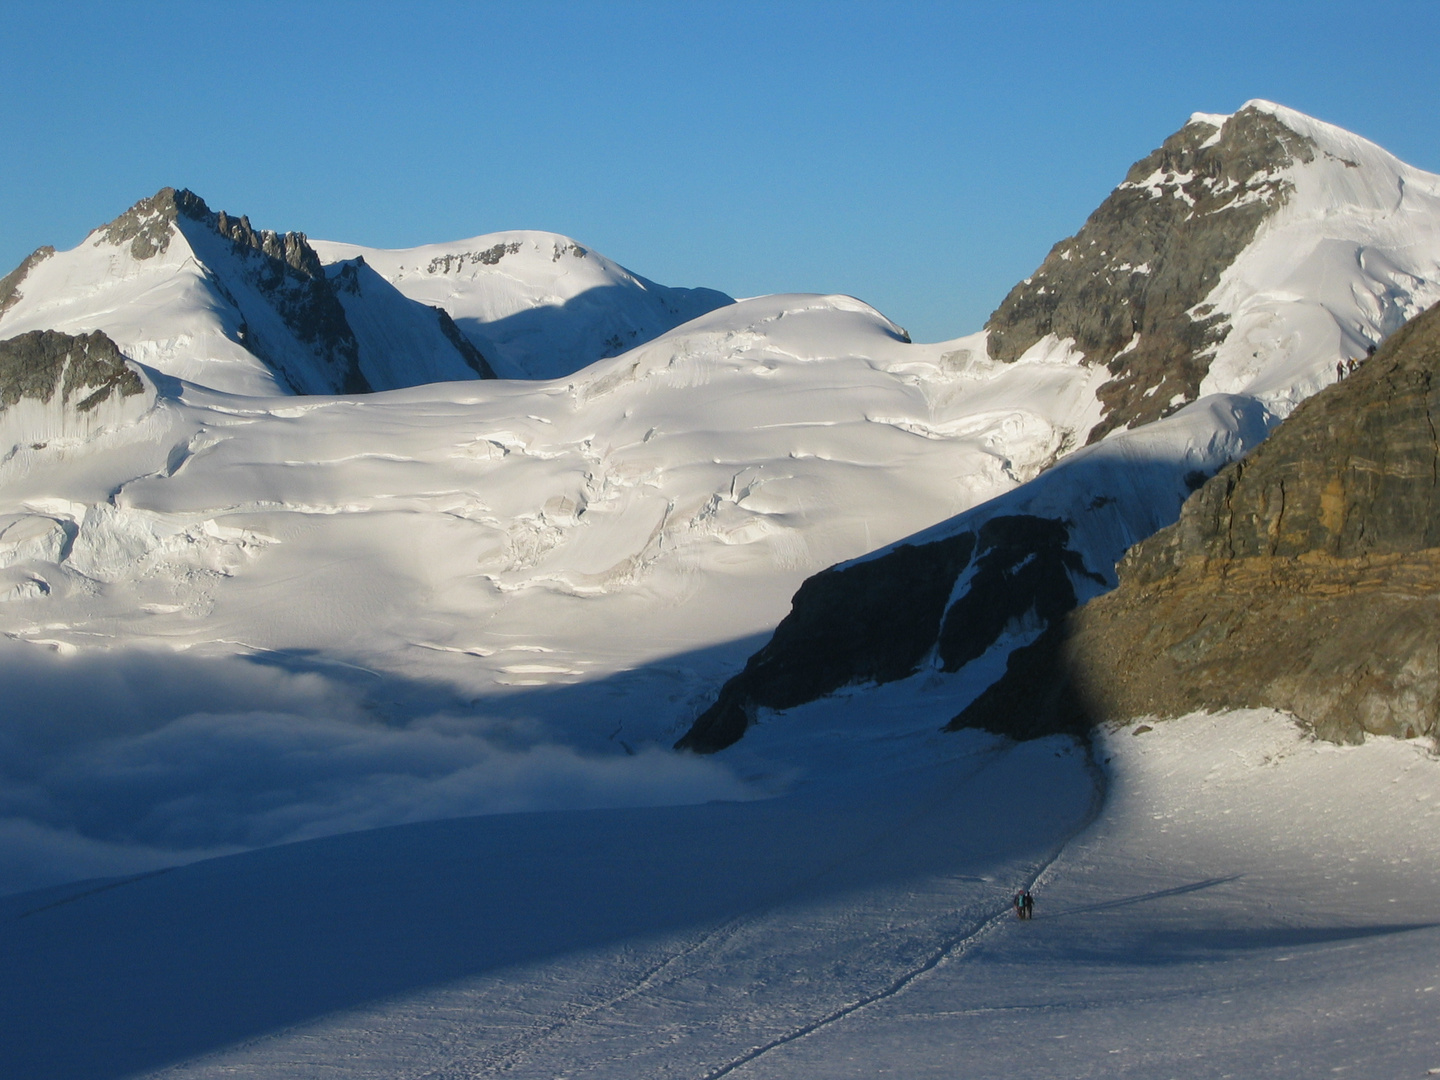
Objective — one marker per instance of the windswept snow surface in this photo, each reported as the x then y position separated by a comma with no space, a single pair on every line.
1247,903
537,304
1352,254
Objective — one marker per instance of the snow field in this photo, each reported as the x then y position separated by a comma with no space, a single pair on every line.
1247,902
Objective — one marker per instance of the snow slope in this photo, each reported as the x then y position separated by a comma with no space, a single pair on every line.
1351,255
676,493
537,304
1246,903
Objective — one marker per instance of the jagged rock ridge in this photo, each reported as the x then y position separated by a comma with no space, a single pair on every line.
286,270
1304,578
1128,287
178,284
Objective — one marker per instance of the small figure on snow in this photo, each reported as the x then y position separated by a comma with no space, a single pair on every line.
1339,370
1024,904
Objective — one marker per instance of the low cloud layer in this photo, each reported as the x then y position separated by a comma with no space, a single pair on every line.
120,762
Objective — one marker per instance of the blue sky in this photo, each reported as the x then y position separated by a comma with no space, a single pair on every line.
921,156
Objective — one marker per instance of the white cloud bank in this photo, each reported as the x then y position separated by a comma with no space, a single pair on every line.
124,761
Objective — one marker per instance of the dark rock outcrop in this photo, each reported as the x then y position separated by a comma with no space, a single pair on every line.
868,621
10,283
468,352
86,370
1304,578
880,619
1127,285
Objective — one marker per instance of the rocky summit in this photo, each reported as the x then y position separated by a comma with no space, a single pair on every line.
1304,578
1128,288
1214,291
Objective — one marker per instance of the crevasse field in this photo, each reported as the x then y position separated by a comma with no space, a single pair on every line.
340,725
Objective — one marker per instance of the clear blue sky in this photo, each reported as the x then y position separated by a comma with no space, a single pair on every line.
921,156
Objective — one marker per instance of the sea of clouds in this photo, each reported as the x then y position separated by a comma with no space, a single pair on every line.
124,761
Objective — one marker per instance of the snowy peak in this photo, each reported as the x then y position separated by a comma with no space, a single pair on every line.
1185,280
208,298
1129,288
537,304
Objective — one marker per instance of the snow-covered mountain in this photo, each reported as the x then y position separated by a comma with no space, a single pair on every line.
205,297
235,619
1250,255
538,305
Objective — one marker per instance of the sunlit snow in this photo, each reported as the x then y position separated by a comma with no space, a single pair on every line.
246,629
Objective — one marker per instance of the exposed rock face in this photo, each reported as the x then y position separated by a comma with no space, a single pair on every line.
147,226
1127,286
471,355
10,283
287,272
1304,578
878,620
85,370
872,620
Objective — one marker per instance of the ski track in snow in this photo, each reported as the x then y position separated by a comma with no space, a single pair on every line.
947,951
689,958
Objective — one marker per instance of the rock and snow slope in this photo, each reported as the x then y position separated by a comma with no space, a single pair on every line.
1343,246
1243,256
1304,578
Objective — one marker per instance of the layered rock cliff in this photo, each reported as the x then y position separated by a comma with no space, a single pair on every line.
1304,578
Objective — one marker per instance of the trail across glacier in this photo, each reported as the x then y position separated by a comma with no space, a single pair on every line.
1246,902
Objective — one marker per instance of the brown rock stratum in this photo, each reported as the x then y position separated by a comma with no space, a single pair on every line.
1304,578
